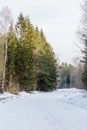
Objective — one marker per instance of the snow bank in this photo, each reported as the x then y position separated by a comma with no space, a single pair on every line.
76,97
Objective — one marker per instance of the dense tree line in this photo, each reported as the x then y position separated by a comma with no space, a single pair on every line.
71,76
31,62
65,75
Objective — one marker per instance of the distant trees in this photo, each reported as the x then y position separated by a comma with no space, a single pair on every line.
77,75
30,60
71,76
65,76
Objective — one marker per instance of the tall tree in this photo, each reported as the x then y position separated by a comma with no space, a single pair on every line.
31,60
47,75
11,52
5,16
83,37
24,61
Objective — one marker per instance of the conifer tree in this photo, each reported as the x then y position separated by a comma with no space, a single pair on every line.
31,61
25,66
47,76
11,53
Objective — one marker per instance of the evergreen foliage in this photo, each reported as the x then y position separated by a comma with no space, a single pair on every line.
11,55
31,62
65,76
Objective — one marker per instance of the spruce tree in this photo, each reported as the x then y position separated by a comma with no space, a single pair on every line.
31,62
25,64
47,76
11,53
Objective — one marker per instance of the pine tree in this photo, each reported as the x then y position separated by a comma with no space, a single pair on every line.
47,76
31,62
11,52
24,61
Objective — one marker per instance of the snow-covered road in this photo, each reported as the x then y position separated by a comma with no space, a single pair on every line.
60,110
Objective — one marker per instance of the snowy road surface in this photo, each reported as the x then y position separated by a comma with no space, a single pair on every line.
59,110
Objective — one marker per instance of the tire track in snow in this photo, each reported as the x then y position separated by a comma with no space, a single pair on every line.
51,117
61,121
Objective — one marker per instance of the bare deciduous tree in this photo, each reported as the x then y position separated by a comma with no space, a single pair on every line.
5,19
83,38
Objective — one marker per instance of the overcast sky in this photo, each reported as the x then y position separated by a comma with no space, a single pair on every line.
59,20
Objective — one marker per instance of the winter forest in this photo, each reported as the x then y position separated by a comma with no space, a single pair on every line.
37,91
28,61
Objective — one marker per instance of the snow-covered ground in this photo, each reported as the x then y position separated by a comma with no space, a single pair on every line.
64,109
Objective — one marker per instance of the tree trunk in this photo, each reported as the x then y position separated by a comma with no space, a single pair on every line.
4,68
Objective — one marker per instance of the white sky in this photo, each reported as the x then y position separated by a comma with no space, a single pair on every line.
59,20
